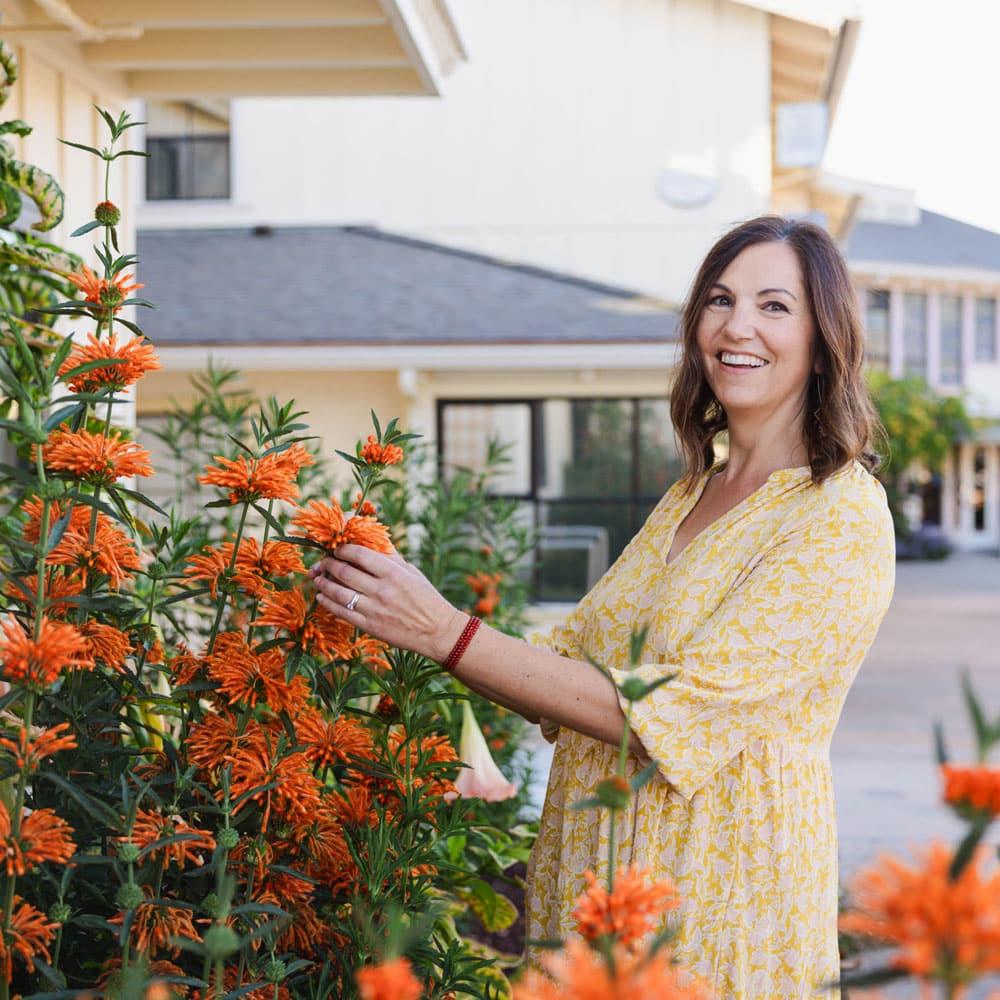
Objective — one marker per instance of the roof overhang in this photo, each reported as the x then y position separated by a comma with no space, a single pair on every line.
812,44
420,357
198,49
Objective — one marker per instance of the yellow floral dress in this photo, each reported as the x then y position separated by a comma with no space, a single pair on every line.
765,617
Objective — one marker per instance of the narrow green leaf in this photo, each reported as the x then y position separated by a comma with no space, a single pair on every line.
86,228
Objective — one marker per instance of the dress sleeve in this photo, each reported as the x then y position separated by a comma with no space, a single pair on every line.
790,634
566,639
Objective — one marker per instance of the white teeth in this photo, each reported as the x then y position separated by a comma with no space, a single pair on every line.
747,360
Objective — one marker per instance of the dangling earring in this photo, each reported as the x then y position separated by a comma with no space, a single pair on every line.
819,396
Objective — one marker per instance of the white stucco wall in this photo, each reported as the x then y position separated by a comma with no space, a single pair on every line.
545,148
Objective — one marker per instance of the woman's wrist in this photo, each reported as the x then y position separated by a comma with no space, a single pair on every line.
441,644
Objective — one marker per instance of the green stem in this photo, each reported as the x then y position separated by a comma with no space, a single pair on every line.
256,600
15,820
232,565
622,758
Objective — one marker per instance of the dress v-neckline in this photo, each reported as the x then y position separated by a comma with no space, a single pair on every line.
713,525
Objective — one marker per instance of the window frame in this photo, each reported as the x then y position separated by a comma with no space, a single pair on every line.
188,141
633,502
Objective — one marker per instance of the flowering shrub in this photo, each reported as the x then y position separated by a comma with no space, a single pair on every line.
209,781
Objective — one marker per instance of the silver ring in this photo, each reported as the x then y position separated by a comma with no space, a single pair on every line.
352,603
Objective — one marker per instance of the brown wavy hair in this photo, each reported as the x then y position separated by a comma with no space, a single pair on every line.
841,422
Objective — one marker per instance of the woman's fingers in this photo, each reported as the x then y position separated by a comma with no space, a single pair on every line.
346,574
337,606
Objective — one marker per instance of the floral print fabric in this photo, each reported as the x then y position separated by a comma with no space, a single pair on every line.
764,618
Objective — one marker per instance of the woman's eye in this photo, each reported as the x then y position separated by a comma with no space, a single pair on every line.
714,300
780,305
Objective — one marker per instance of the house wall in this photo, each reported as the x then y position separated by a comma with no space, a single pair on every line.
56,95
546,149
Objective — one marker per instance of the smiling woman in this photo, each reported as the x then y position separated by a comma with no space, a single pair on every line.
762,582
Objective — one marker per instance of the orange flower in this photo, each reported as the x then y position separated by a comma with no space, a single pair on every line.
371,651
314,630
100,459
156,925
79,517
106,643
326,525
306,933
485,584
132,360
246,678
629,912
271,477
392,980
149,827
217,738
354,806
364,507
943,929
29,935
431,752
29,753
975,788
58,591
102,292
381,454
296,793
43,836
40,663
254,569
328,743
321,840
577,972
112,553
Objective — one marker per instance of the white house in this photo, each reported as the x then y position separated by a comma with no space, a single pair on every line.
930,287
506,261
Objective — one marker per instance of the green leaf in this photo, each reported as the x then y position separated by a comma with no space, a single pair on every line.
967,848
494,911
644,776
86,228
637,642
979,724
86,149
940,752
63,414
92,807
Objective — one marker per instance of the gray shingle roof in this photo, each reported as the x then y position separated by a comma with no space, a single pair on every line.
936,241
363,286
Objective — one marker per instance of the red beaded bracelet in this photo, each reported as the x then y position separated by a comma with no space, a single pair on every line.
463,642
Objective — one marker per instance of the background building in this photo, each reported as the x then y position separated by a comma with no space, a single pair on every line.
929,286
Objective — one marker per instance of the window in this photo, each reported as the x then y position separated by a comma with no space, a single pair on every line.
877,324
187,166
587,472
915,334
951,340
188,148
986,330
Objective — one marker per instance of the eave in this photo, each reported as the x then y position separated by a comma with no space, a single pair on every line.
198,49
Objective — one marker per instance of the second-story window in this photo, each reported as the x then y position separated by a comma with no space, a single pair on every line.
189,154
915,334
951,339
877,328
986,329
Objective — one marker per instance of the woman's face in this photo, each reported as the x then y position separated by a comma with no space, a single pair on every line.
756,334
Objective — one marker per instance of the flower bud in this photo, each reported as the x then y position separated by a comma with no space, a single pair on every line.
129,896
228,838
128,853
220,942
210,906
59,913
614,793
107,213
275,971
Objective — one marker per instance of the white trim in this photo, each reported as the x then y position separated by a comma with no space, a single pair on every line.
923,272
436,357
416,42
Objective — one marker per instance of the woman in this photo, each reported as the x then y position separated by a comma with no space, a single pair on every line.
763,579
